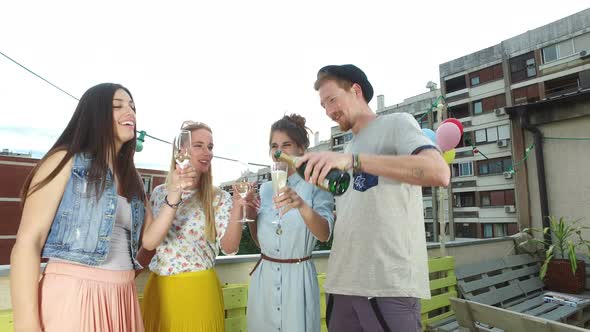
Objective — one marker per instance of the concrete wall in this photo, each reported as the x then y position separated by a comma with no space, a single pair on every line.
235,269
546,35
567,169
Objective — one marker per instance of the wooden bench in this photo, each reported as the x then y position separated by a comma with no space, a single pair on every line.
512,283
437,311
473,316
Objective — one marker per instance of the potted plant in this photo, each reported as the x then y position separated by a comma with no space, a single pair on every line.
562,271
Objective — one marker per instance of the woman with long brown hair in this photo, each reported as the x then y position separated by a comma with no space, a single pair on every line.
84,209
183,292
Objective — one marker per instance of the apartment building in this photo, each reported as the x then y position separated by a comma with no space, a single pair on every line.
538,65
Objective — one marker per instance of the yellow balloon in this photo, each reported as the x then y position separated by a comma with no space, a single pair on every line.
449,156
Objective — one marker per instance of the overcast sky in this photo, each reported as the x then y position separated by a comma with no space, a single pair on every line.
236,65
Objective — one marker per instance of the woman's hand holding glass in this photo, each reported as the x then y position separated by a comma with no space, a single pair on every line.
287,199
182,179
248,199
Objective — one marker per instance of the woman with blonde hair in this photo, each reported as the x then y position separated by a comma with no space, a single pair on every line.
183,292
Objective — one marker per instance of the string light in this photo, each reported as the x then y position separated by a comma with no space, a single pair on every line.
141,133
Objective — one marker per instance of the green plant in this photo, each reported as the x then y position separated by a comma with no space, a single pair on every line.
567,237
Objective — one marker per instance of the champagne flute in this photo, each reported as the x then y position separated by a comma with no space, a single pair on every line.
278,173
182,147
242,186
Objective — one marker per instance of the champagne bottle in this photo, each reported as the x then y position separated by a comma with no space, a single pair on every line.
336,182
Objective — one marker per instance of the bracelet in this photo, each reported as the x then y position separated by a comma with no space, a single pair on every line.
174,206
356,163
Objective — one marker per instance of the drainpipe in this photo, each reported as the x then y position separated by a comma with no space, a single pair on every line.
538,140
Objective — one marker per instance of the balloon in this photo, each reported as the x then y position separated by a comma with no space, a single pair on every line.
430,134
456,122
449,156
448,136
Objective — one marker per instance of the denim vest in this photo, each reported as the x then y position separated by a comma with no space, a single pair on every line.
82,227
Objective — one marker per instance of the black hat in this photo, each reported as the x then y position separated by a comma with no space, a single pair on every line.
353,74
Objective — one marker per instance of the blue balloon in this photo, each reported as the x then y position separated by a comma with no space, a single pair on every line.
430,134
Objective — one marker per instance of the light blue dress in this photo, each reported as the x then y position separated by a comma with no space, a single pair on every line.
286,297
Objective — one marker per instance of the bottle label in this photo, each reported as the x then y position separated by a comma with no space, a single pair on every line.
325,185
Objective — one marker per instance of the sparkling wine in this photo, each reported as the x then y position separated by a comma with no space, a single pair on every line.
182,159
242,188
279,180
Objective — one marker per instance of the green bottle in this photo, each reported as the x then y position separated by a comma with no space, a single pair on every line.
336,182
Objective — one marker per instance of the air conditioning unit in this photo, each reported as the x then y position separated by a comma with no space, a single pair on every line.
507,175
500,111
509,209
502,143
584,54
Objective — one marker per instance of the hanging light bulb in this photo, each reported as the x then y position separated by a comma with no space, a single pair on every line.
140,140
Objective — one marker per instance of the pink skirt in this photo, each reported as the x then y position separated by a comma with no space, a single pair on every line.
81,298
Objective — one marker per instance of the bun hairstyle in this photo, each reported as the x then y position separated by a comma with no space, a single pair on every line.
294,126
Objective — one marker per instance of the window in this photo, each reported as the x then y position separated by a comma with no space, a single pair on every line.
492,134
466,199
455,84
466,169
489,104
480,136
550,53
484,199
342,139
485,75
558,51
566,48
531,70
459,111
522,67
582,43
428,213
496,198
488,230
477,107
347,137
504,132
499,230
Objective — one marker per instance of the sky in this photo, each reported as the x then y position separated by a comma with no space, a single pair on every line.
235,65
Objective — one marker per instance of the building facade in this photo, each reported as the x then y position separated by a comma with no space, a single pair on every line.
13,173
489,198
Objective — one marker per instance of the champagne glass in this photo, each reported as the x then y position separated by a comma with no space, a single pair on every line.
242,186
182,147
278,173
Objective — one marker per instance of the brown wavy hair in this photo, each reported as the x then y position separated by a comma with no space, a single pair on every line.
294,126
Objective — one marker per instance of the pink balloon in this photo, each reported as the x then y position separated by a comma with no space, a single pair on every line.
448,136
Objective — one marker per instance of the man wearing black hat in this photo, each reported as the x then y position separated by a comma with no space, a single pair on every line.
378,266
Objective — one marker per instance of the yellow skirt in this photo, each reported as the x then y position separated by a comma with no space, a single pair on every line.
190,301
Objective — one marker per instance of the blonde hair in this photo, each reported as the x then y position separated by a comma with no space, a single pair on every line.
206,192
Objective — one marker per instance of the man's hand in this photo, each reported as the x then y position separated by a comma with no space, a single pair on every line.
320,163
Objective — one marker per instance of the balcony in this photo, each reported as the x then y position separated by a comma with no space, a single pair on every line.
233,273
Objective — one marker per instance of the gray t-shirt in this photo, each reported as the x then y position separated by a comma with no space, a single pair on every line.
379,244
